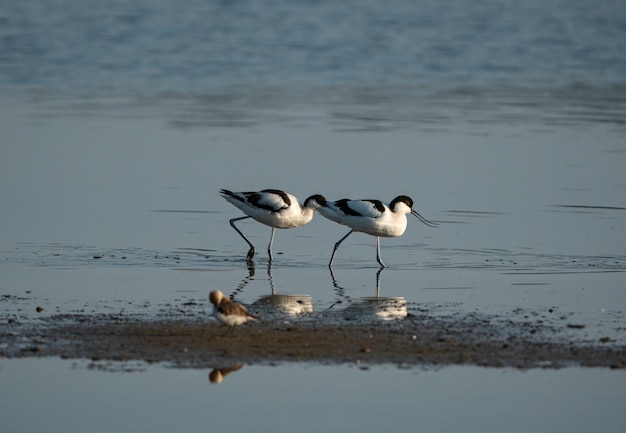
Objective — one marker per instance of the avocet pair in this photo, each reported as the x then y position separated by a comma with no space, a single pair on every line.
279,209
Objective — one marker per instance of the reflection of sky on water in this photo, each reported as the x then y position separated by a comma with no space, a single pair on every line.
275,398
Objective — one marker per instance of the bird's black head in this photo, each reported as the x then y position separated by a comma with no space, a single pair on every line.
401,199
315,198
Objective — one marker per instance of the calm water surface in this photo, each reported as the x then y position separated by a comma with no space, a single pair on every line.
78,398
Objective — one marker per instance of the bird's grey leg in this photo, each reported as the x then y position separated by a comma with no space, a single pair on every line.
378,258
252,250
269,247
332,257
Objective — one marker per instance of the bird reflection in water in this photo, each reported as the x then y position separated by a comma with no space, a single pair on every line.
274,303
289,304
374,307
218,374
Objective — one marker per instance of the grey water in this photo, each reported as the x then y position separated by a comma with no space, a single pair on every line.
505,121
282,399
192,46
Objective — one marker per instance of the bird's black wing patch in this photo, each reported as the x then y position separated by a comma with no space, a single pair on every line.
283,195
264,200
380,207
345,207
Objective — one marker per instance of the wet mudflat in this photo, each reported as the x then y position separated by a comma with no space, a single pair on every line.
418,326
414,343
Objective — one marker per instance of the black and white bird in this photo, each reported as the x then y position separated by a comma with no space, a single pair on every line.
372,217
229,312
274,208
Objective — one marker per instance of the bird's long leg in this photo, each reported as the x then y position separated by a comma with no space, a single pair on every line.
378,258
269,247
332,257
252,250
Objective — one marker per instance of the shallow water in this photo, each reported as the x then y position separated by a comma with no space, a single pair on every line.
109,210
77,396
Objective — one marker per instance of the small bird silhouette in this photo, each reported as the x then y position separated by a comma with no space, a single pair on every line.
228,312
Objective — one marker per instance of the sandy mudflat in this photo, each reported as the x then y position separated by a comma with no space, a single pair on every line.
414,341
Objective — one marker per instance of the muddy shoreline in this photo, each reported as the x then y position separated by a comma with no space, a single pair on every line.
198,343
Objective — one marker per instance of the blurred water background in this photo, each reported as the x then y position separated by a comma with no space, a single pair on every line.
463,49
